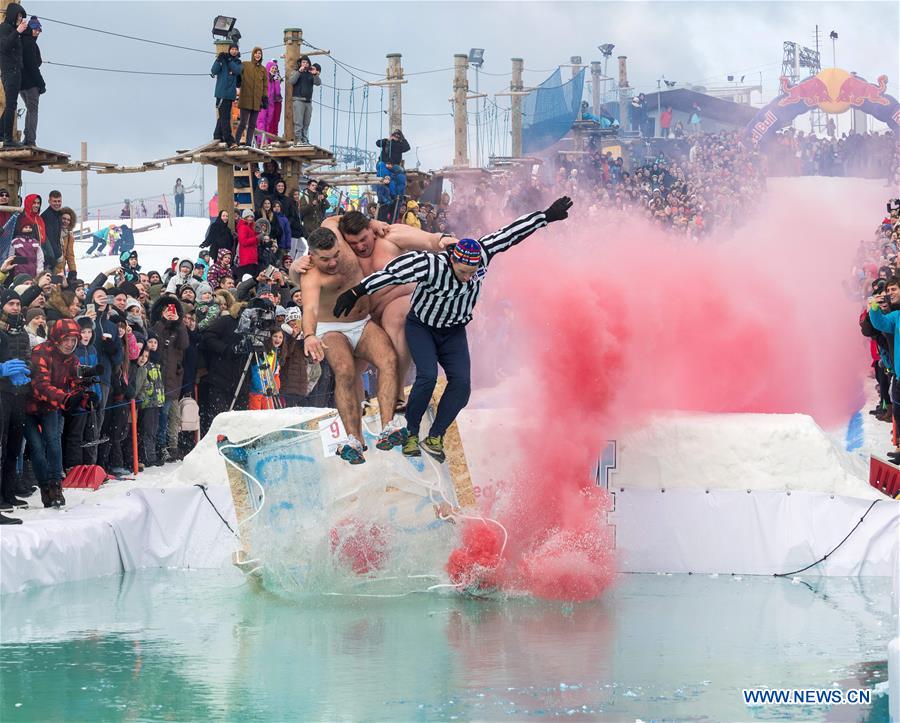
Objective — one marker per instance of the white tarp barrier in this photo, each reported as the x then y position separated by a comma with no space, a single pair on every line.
161,527
756,533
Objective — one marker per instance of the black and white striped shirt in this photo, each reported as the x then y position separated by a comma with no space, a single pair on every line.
440,299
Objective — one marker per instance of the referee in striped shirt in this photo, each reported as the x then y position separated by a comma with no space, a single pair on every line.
447,286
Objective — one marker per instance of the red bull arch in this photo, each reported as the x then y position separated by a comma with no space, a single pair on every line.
832,90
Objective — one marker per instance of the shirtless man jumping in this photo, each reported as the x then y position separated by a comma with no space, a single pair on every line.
375,244
334,270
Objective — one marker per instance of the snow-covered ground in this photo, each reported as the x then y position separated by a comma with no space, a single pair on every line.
156,248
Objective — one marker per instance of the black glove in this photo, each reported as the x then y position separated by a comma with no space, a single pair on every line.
559,209
264,102
346,301
222,57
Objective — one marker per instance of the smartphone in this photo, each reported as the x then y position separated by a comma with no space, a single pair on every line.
19,260
269,272
90,308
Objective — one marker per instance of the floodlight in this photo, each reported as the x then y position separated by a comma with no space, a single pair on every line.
222,26
476,57
606,49
833,35
575,60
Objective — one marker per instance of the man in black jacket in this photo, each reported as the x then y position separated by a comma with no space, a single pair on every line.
14,391
12,28
52,246
302,81
393,148
223,368
32,82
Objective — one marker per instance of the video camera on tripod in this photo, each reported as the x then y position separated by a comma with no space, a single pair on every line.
255,326
89,375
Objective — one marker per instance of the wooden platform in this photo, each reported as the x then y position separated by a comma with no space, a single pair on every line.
284,150
30,158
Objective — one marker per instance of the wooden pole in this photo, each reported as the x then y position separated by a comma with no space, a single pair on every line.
293,37
460,116
395,98
84,185
596,90
515,86
225,179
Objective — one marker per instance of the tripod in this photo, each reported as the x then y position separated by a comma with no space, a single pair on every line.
267,375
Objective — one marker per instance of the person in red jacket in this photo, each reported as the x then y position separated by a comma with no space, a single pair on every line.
54,388
32,211
248,246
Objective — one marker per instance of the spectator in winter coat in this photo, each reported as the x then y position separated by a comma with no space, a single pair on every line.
131,268
253,95
292,362
302,81
224,367
226,69
151,396
248,246
220,269
167,320
51,242
32,82
219,236
184,276
54,388
13,27
270,116
81,426
207,310
31,210
26,250
393,148
105,338
313,207
66,265
283,225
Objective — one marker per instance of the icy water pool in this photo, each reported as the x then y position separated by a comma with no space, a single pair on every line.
195,645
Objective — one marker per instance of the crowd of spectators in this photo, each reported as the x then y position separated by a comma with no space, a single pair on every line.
866,155
713,185
75,353
876,281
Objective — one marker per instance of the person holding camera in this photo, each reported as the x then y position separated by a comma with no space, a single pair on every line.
253,95
313,207
54,388
302,81
226,69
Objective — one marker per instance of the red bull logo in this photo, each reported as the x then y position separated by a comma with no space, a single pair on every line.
811,91
856,91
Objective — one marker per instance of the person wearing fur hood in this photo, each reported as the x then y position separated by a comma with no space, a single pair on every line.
167,323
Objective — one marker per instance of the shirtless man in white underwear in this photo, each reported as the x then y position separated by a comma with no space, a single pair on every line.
334,270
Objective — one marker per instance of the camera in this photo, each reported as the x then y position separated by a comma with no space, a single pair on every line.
255,326
88,375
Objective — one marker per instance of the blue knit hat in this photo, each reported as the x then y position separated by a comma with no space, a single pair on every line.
34,23
467,251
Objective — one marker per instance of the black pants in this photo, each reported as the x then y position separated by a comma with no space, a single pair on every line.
248,121
12,432
11,84
429,347
223,124
148,424
883,378
245,269
79,429
115,426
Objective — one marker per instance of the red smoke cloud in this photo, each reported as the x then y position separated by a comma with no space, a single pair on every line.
612,324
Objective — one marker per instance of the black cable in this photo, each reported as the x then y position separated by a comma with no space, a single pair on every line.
203,489
825,557
127,37
122,70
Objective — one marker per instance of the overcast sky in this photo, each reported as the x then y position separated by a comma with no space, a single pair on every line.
130,118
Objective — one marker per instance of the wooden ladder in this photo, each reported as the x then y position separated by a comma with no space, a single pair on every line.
243,189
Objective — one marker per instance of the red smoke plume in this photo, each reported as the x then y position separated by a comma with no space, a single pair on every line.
609,325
